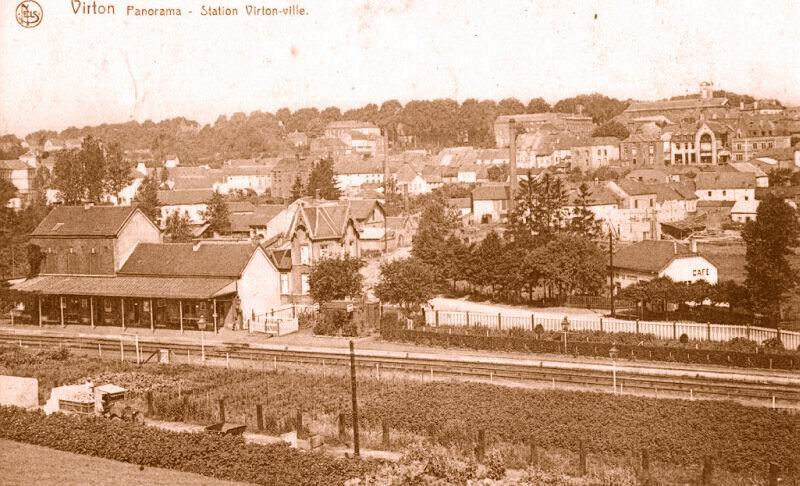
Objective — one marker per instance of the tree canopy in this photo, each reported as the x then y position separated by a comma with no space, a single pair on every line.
335,279
770,240
322,181
408,283
146,199
217,215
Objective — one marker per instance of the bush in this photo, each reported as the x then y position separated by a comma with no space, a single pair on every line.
773,344
495,465
684,339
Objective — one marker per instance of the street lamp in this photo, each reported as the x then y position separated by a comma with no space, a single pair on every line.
201,324
613,353
565,327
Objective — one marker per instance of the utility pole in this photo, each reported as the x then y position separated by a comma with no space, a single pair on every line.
611,266
356,448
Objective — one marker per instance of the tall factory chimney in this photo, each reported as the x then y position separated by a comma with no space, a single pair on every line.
512,163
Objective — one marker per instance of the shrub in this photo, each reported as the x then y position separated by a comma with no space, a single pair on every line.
773,344
684,339
495,465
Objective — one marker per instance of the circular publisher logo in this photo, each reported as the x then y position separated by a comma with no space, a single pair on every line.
29,14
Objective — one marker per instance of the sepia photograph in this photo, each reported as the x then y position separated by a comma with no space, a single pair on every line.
400,242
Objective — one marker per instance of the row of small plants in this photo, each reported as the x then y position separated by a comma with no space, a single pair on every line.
736,352
223,457
681,432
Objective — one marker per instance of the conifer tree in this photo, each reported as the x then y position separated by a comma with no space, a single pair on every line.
217,215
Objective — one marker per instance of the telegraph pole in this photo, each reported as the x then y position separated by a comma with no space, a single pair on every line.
356,448
611,266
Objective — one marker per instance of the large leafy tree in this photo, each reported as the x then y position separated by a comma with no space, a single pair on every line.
93,164
68,177
118,170
436,224
147,198
408,283
490,253
217,215
601,108
322,181
335,279
572,264
611,129
770,240
178,227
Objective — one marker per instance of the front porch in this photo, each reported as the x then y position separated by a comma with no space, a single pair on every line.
129,302
152,313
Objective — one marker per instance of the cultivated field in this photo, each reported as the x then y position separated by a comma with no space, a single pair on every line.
613,429
30,465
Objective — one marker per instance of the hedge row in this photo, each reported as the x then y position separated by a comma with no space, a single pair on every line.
687,354
223,457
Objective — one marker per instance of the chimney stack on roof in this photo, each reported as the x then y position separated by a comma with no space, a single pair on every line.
693,244
675,247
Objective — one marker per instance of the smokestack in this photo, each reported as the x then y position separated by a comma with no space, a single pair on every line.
512,163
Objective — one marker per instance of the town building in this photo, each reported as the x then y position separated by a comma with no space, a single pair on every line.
725,186
593,152
284,174
647,260
490,203
90,240
575,124
191,202
302,234
106,266
20,175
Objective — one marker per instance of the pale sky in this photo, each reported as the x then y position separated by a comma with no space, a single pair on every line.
82,69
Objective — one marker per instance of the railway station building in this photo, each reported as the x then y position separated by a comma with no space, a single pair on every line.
106,266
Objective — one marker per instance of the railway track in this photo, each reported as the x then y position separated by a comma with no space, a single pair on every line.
760,390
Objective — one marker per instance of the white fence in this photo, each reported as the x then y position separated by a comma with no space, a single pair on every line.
664,330
274,325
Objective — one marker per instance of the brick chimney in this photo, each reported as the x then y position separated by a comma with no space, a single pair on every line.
512,163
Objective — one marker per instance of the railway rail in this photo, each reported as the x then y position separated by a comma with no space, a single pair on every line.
779,390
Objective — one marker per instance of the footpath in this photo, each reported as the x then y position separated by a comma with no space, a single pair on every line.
264,439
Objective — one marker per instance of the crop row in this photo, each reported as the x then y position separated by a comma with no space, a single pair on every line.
223,457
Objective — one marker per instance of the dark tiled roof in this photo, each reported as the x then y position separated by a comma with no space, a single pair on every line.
649,256
282,259
725,180
490,193
84,221
188,260
677,104
13,165
635,188
361,210
128,286
183,197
